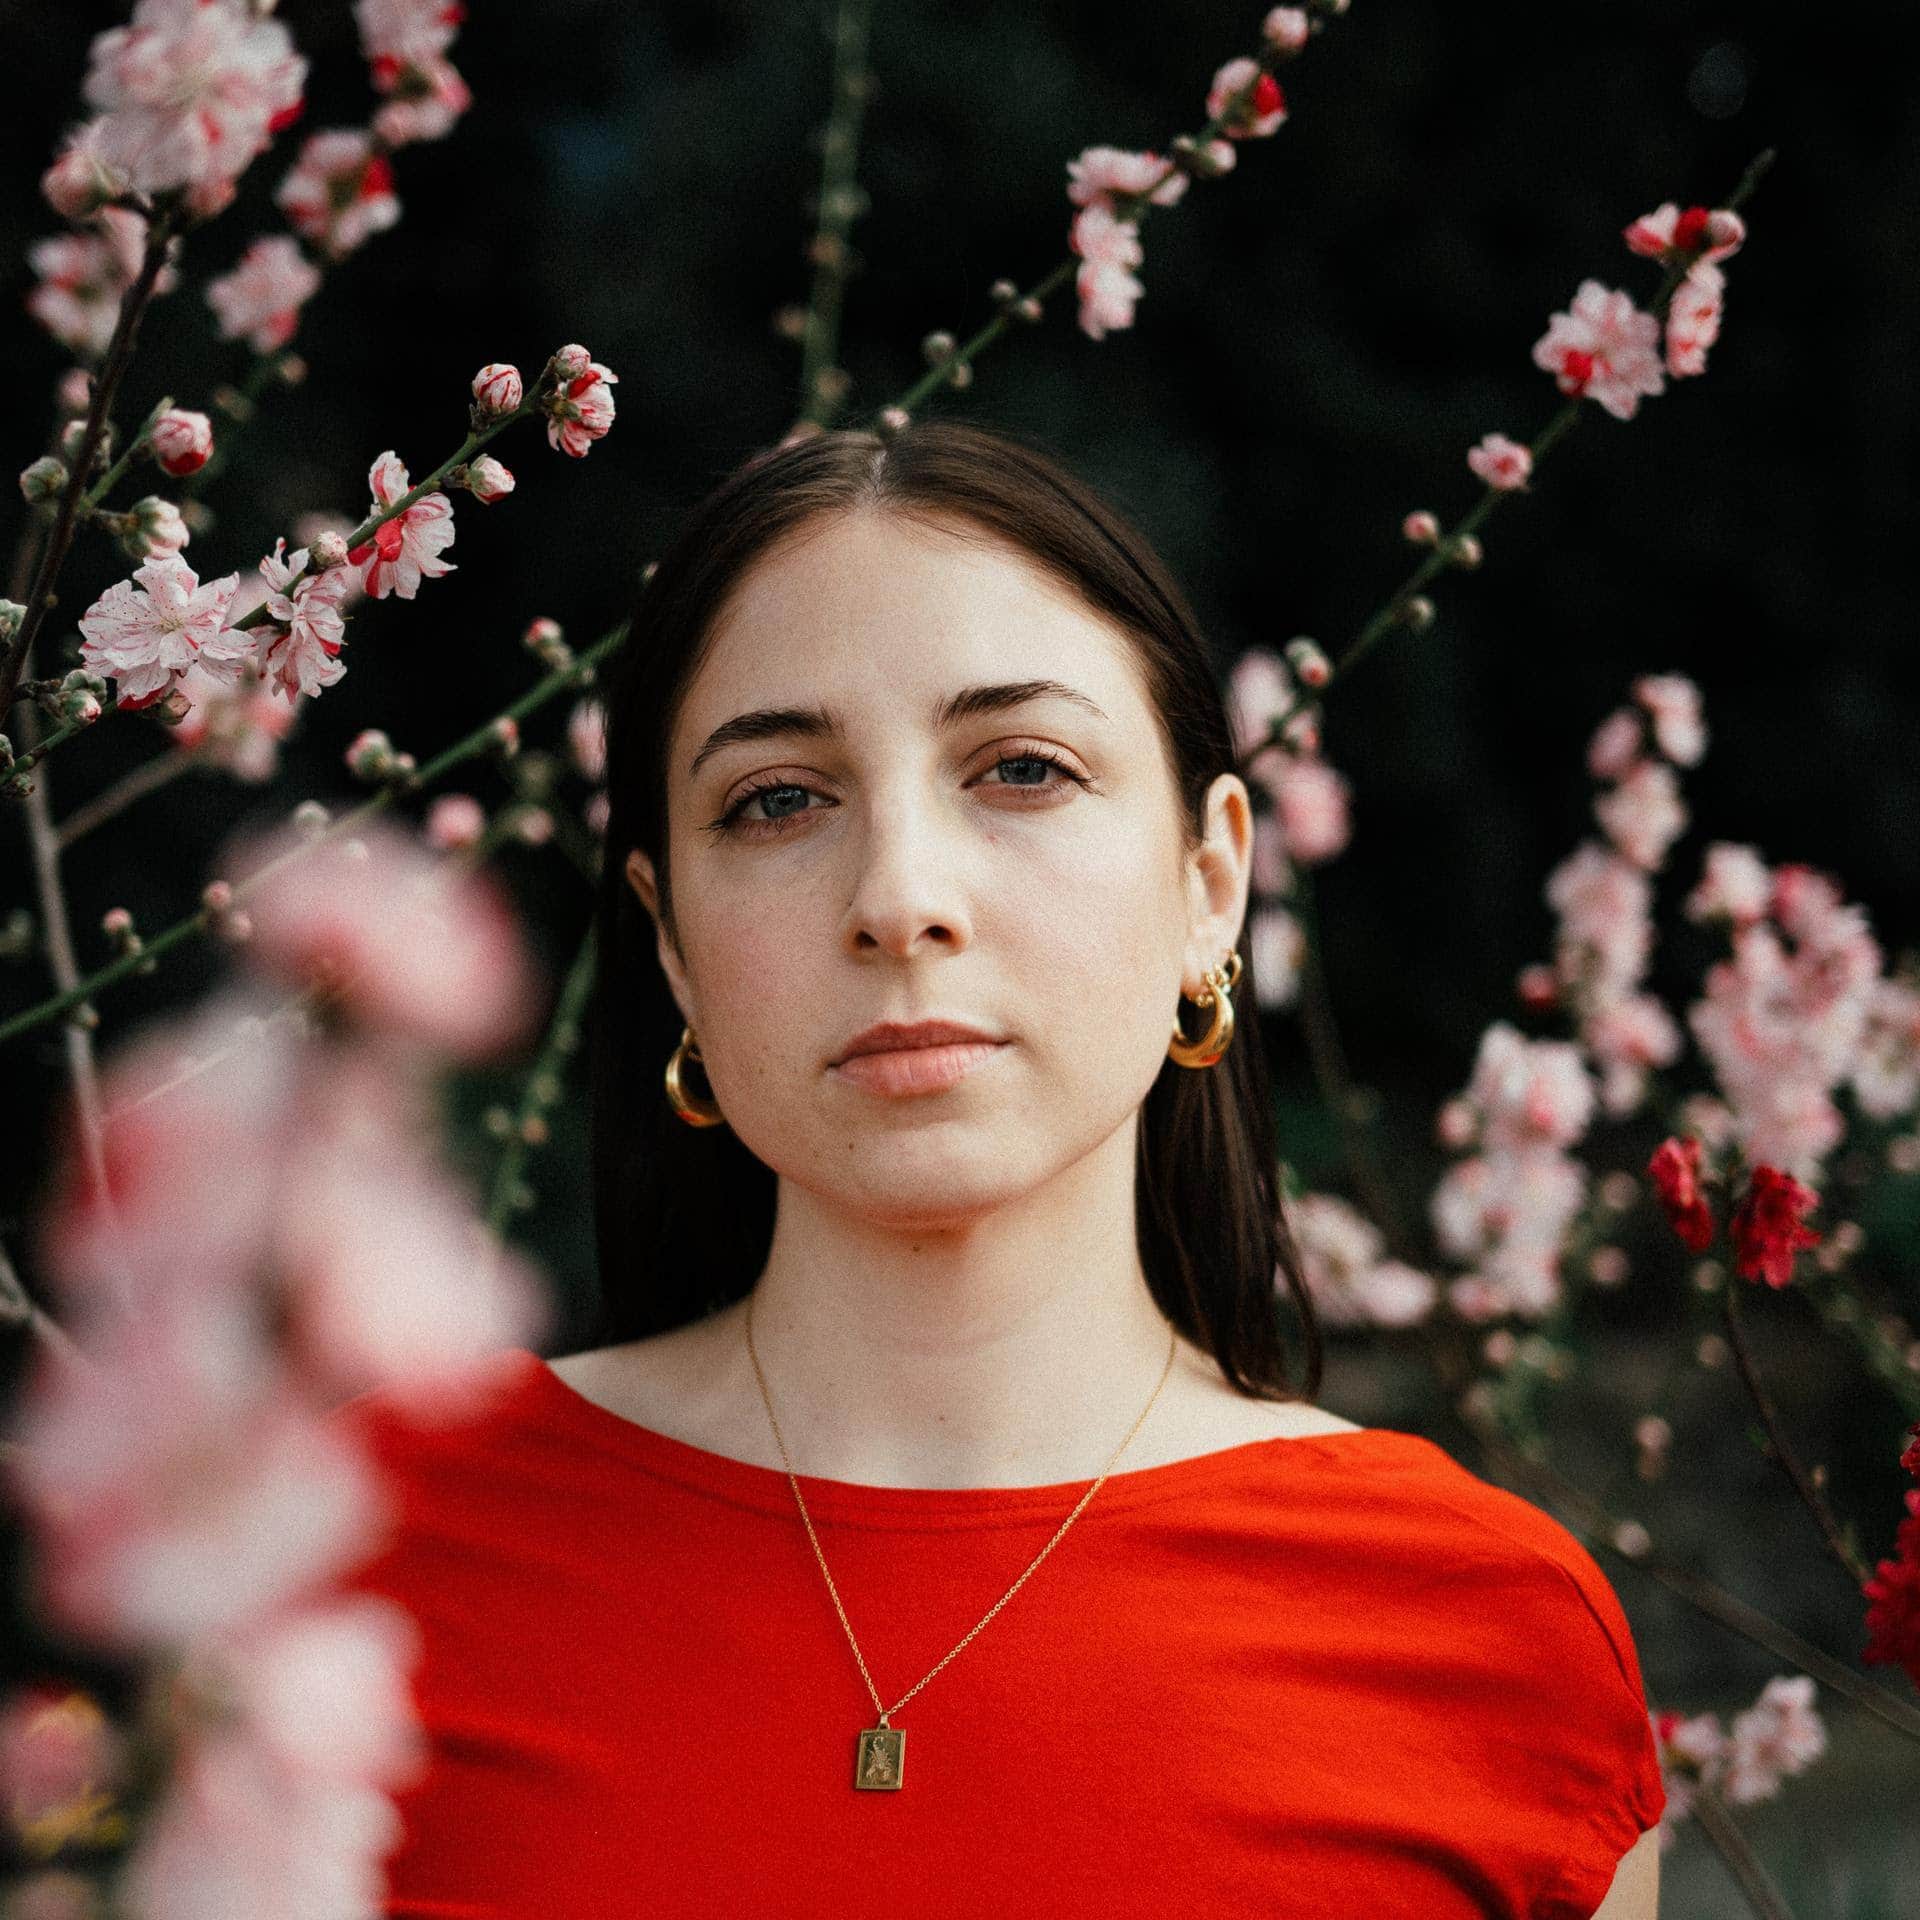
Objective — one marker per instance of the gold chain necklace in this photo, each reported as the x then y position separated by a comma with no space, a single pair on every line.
882,1754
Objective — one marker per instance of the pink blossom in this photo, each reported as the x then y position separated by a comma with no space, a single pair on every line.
1259,692
1734,883
1626,1036
1277,949
1107,294
1693,318
236,727
425,99
455,820
192,91
1102,237
238,1832
580,410
82,277
488,480
1709,235
1605,348
1273,875
300,652
181,441
1508,1213
1886,1069
147,631
1312,799
1286,29
1259,115
1605,905
1779,1735
83,178
176,1487
1104,174
398,1283
262,296
415,950
1502,463
405,549
407,29
1341,1259
1674,702
1615,745
340,191
1644,814
587,738
497,387
1529,1092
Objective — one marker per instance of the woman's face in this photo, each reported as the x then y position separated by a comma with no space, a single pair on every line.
904,869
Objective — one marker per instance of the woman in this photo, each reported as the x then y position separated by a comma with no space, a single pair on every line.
943,1388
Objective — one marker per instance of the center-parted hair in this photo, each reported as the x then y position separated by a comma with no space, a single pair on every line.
683,1216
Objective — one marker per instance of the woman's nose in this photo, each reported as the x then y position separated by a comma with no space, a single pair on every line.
911,878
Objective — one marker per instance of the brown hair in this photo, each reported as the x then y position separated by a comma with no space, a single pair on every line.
683,1216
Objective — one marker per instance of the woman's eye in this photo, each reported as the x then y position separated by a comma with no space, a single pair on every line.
779,797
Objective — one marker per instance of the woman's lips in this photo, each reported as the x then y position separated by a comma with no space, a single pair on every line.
906,1070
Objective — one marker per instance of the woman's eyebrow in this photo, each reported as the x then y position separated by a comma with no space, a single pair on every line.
822,723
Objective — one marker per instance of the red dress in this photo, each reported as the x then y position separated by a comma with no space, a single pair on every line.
1336,1675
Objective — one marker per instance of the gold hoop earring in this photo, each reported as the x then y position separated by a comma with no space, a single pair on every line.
1220,981
691,1108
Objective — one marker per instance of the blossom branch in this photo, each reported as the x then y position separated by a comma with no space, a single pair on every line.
529,1126
1559,1495
1777,1447
133,305
842,200
1406,607
481,740
1742,1862
953,362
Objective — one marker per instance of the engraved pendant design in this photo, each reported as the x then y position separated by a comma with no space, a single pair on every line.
883,1757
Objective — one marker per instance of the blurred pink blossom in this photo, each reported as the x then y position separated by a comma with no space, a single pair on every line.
414,948
261,297
339,193
192,91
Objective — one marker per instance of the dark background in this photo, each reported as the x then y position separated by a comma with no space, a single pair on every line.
1324,334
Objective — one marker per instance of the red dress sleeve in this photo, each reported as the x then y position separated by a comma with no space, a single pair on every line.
1597,1767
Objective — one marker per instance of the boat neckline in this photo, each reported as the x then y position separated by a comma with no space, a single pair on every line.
744,1482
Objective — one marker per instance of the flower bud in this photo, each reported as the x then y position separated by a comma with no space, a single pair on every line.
80,182
11,615
116,923
570,363
893,420
1538,988
181,441
73,436
1421,528
486,479
455,820
1418,613
1003,292
370,755
531,826
1310,665
153,525
1465,551
504,735
937,346
75,391
497,387
291,369
544,640
43,482
1725,228
1285,29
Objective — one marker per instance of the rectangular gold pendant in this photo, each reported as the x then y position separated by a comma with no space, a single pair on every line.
883,1757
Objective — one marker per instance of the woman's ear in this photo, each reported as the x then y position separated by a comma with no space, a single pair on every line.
1219,877
640,877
